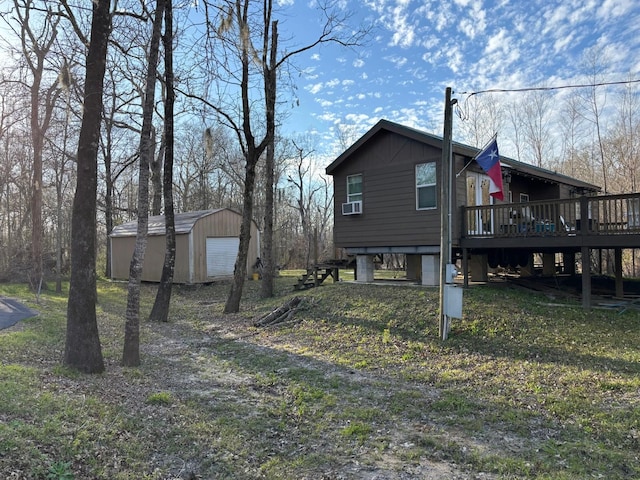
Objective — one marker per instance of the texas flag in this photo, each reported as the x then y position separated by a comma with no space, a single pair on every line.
489,160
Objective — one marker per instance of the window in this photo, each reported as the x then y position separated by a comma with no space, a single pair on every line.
426,186
354,188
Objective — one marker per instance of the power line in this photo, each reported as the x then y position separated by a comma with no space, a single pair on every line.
463,115
559,87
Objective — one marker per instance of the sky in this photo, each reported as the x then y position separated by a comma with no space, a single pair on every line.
417,48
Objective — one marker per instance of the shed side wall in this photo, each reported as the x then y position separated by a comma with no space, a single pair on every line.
153,258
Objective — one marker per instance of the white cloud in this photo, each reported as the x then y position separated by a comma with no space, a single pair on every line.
563,43
328,117
314,88
358,63
615,8
315,56
403,32
497,41
356,117
454,60
397,60
476,22
333,83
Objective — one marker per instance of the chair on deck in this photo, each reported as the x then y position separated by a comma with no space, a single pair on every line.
570,229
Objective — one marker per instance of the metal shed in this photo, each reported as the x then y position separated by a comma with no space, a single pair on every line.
207,244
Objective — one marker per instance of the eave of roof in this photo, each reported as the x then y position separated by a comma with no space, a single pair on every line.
459,149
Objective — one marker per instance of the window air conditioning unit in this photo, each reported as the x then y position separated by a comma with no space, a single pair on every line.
352,208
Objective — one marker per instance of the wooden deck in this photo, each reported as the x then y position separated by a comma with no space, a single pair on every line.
604,221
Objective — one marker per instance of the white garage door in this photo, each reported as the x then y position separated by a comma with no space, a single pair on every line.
221,255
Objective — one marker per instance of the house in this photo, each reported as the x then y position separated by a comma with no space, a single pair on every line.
207,244
387,195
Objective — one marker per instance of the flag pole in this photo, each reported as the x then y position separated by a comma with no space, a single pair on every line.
446,191
495,135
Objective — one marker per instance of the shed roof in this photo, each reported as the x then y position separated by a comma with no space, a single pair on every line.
184,223
460,149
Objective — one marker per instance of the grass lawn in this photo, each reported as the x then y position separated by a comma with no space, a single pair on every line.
356,386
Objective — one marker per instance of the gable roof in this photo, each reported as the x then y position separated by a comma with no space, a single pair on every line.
184,223
460,149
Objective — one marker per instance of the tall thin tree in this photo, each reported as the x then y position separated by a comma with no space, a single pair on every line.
160,310
36,45
131,350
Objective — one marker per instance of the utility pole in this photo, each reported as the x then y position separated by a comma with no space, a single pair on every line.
446,190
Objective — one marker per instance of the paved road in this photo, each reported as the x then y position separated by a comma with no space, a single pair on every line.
12,311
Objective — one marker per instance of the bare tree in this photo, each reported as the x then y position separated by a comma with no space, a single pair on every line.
82,347
160,310
251,38
572,136
483,118
536,121
514,120
131,350
623,141
37,36
61,169
311,200
595,100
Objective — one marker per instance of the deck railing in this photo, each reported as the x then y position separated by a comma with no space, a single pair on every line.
598,215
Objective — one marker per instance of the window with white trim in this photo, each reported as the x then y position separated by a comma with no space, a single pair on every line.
426,183
354,188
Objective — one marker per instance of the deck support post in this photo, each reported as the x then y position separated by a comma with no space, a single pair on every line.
479,267
364,268
569,263
430,270
414,268
548,264
586,278
617,267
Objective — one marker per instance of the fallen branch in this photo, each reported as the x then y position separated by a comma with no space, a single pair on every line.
280,314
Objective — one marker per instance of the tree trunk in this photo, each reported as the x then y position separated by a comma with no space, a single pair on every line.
252,155
268,272
270,88
108,204
240,267
131,350
160,310
156,179
82,347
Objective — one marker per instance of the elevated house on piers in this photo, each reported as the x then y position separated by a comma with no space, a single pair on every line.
386,196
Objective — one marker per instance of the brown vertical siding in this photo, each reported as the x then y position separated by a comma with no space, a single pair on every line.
389,215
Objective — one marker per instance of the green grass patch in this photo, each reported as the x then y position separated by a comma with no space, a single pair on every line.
520,389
